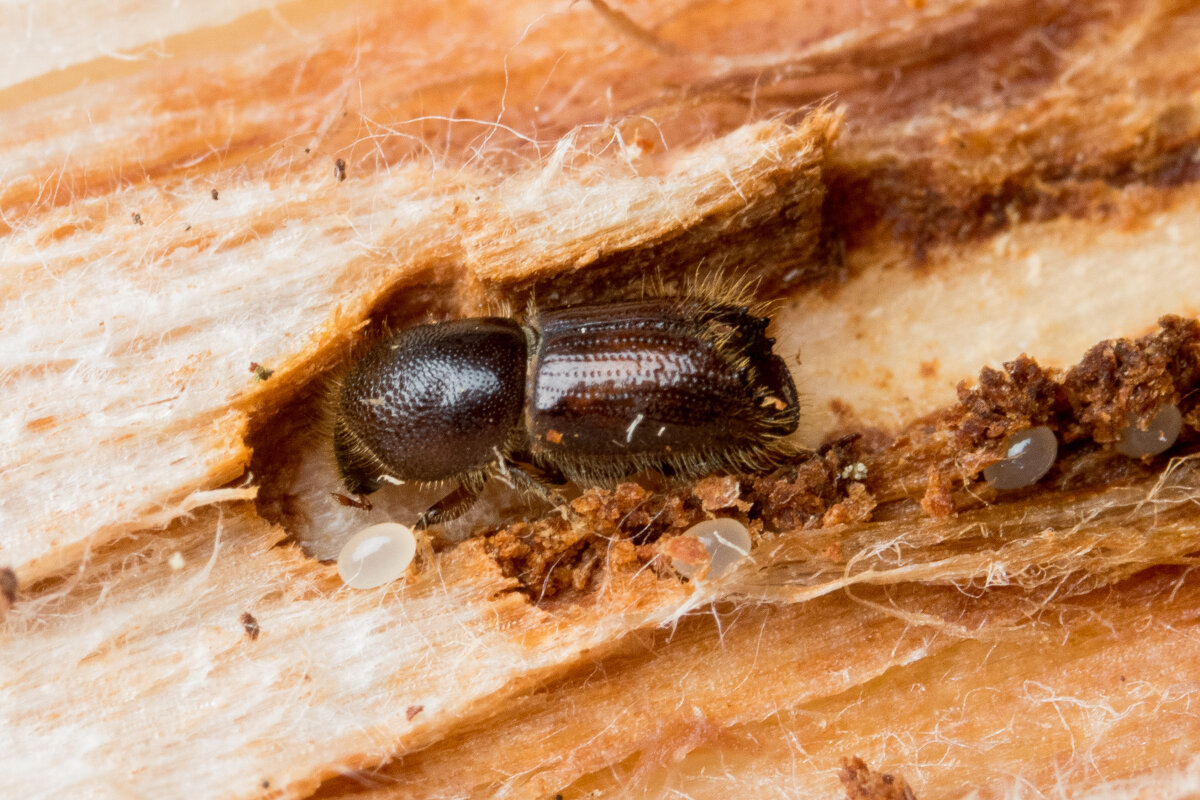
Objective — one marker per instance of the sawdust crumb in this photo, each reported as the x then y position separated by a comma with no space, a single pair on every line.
718,492
863,783
857,507
250,625
552,555
8,590
1120,378
939,498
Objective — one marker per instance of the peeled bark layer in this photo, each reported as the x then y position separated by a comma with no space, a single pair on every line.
927,191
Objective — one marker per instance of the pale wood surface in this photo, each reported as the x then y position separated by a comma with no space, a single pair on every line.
1042,646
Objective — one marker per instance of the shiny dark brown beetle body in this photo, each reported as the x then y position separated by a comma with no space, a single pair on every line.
588,393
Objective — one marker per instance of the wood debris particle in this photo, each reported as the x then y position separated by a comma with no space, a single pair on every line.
8,590
862,783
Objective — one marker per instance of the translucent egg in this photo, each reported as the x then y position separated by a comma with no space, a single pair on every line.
1162,432
377,555
727,542
1028,455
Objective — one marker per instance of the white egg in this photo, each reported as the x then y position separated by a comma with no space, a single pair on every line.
727,542
1028,455
1160,434
377,555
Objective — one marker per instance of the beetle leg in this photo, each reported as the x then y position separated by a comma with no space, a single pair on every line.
545,474
359,502
539,488
451,506
501,472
